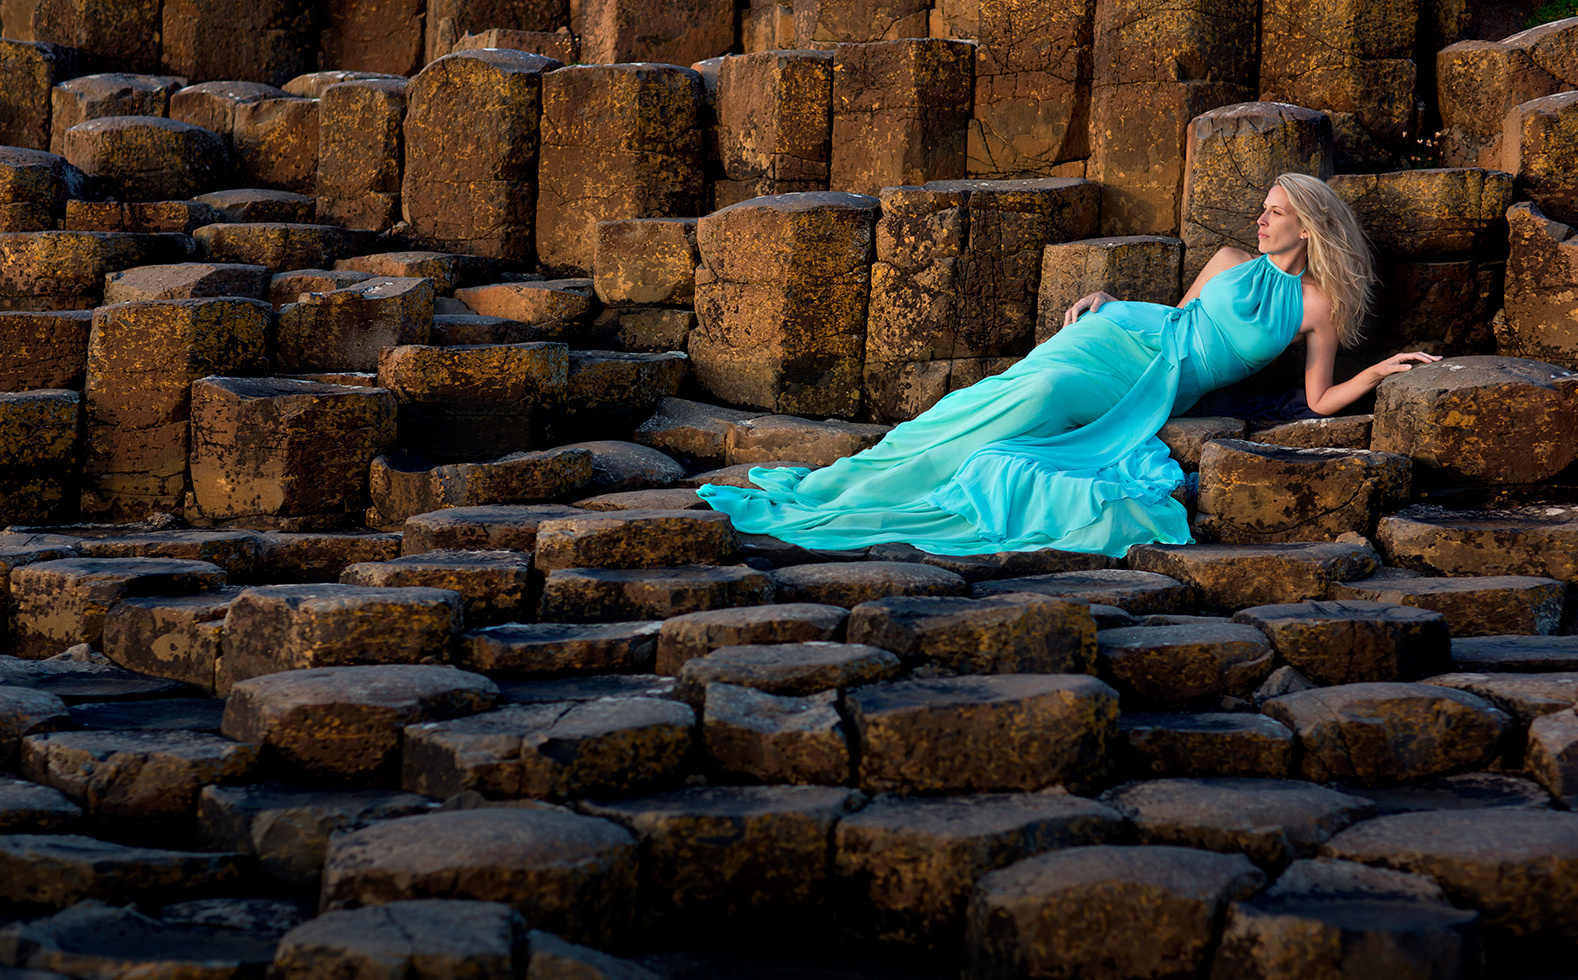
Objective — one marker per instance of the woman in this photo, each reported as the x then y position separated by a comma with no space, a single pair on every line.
1060,450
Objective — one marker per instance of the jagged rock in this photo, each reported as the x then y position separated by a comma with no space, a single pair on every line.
1463,791
547,649
405,484
644,329
91,939
1480,419
551,751
1319,915
1123,911
371,705
1516,868
1540,305
494,586
1163,664
1271,821
285,557
1234,576
28,808
1252,493
1009,634
575,875
609,392
1139,593
233,551
597,595
1186,438
462,329
489,528
1339,432
60,603
949,735
146,158
554,959
1351,641
683,638
761,340
636,539
424,939
286,829
255,204
1203,744
1515,654
757,737
1482,605
348,328
53,871
277,447
289,287
641,158
448,271
35,188
1380,733
848,584
1429,212
288,627
1524,697
1551,755
789,669
753,855
169,636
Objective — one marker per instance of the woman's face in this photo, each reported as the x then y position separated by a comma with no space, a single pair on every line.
1280,229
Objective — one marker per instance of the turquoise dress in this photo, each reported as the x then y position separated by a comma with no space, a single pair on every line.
1059,451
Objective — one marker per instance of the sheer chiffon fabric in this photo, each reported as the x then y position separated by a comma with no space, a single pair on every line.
1059,451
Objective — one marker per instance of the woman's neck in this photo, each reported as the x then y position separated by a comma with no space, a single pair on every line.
1294,261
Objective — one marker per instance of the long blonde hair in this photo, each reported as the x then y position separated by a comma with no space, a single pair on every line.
1338,254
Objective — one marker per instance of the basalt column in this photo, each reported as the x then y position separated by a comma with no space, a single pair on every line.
471,152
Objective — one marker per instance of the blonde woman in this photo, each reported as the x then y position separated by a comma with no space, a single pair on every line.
1060,451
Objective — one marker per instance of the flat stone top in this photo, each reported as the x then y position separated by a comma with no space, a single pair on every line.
254,389
975,815
395,685
801,201
117,123
103,744
1189,634
327,596
590,520
457,559
1534,517
122,568
76,848
1336,611
1239,801
771,613
1463,791
1203,723
1494,837
75,682
732,801
1516,653
1310,551
610,686
1184,871
495,838
985,689
1448,585
1478,371
532,634
1332,702
808,654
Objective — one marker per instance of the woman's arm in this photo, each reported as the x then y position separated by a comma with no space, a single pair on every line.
1320,361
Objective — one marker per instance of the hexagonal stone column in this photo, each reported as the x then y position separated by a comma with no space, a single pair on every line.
53,871
177,637
1480,82
774,123
32,70
756,855
1474,605
949,735
1008,634
287,627
474,402
575,875
39,449
1174,664
1378,733
274,447
142,359
905,866
1230,577
1142,268
1123,911
419,938
1233,157
1354,641
346,329
467,188
901,112
1512,420
57,604
1250,492
1540,307
284,712
618,141
266,41
360,167
146,158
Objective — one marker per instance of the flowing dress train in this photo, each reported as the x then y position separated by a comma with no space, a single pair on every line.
1059,451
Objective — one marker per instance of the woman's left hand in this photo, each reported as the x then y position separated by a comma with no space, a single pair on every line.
1403,362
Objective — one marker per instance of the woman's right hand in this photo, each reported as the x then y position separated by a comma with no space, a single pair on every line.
1087,304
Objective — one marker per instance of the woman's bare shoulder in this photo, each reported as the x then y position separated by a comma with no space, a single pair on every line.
1232,255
